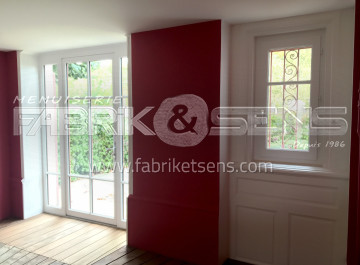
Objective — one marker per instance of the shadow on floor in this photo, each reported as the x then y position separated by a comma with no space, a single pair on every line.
235,262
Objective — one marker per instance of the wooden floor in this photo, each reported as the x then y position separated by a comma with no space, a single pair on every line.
130,256
48,239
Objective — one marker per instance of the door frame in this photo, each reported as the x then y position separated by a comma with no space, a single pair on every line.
115,52
116,75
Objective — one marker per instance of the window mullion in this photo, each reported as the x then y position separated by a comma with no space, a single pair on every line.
289,83
90,139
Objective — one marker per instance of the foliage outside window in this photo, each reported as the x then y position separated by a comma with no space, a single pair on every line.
289,86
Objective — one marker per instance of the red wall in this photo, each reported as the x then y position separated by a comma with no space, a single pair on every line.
175,214
5,200
353,246
10,159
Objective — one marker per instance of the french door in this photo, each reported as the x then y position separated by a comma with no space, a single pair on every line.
91,150
91,153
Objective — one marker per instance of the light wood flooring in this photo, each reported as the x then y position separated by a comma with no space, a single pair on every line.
48,239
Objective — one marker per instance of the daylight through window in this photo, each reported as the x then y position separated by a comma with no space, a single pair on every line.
289,86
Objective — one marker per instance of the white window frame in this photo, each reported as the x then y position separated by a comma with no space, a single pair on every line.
60,58
263,45
48,208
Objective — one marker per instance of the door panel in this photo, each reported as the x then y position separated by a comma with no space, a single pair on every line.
91,143
86,170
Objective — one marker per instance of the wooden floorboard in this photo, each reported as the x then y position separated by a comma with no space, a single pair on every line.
97,253
26,259
62,243
7,255
57,236
235,262
95,247
4,249
143,258
14,258
47,239
22,229
81,245
47,261
157,261
37,260
128,257
114,255
174,262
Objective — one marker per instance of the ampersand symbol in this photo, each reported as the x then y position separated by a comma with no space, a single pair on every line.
179,112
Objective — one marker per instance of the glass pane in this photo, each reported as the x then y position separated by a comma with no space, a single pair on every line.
77,79
275,99
290,125
124,76
103,198
291,72
101,78
78,138
303,114
126,164
276,66
125,102
290,65
103,146
125,141
52,138
305,64
54,190
51,80
125,189
79,194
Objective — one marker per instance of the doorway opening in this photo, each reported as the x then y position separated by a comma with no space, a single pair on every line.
87,155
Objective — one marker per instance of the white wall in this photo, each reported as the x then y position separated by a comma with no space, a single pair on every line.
224,213
31,145
296,215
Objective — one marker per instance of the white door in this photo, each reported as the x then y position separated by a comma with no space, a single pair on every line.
91,180
91,150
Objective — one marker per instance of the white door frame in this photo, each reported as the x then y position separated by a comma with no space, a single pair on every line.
116,93
60,58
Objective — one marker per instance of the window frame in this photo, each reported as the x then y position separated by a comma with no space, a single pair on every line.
45,143
48,208
264,44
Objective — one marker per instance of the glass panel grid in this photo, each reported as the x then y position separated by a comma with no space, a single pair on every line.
89,83
98,100
289,88
78,139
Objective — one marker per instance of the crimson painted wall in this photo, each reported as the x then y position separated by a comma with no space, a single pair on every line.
175,214
11,202
353,247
